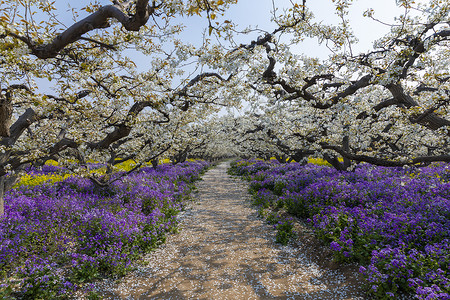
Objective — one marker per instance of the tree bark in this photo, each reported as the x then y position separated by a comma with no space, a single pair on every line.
429,120
154,163
5,116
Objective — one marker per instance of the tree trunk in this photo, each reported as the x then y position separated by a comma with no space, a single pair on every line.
5,116
281,158
183,157
346,145
333,160
154,163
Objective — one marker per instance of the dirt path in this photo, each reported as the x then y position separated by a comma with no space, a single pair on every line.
224,251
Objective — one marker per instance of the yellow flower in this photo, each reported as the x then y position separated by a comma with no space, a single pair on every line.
33,180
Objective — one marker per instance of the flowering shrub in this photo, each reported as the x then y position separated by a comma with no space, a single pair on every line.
57,236
395,222
285,230
41,280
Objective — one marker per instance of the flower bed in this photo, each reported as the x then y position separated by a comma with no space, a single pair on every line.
56,236
395,222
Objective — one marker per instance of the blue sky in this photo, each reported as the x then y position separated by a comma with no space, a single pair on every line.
257,13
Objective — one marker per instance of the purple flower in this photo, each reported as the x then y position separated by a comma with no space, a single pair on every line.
74,229
394,221
335,246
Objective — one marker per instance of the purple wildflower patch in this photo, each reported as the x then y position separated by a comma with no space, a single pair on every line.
395,222
55,236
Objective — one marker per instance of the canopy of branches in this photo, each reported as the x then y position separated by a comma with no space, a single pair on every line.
118,82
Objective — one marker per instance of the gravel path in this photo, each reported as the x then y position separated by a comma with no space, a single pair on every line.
224,251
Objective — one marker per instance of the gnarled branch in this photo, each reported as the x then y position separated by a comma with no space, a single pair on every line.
96,20
385,162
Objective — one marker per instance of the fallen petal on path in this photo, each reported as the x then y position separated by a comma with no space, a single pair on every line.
224,251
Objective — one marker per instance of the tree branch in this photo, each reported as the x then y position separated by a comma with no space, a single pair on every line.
385,162
96,20
99,183
184,91
22,123
122,130
429,120
78,96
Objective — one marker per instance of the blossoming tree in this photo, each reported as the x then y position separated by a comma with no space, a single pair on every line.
74,90
387,106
